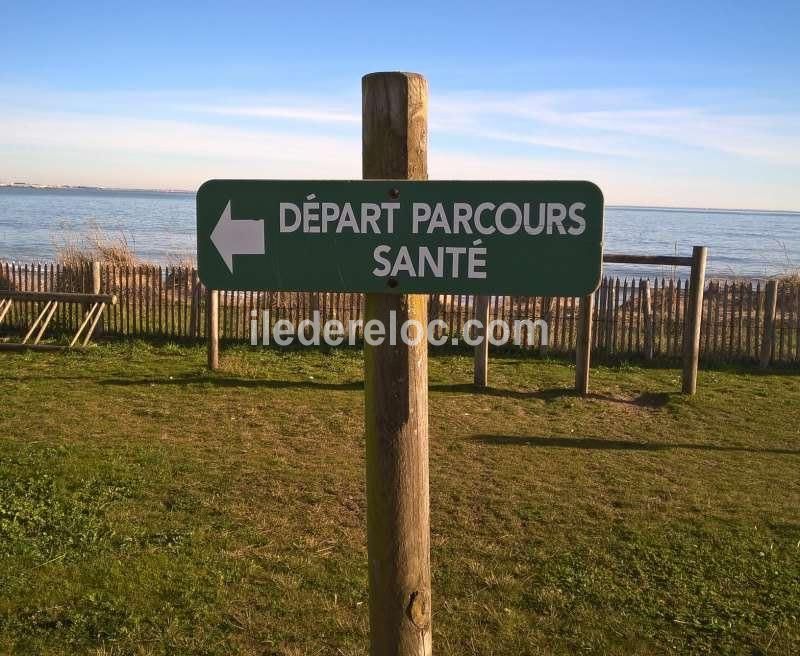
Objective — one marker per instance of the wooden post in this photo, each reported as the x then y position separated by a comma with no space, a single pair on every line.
96,290
768,336
547,316
583,349
394,134
649,325
691,349
314,299
482,350
212,307
194,311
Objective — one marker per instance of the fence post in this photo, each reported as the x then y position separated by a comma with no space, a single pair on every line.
649,324
96,290
583,346
691,347
547,316
768,336
394,134
481,373
194,312
212,308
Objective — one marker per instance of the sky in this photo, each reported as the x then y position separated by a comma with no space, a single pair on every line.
682,104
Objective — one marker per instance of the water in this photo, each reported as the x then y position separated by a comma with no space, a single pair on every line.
740,243
160,226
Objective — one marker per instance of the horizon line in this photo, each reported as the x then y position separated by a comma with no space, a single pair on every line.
668,208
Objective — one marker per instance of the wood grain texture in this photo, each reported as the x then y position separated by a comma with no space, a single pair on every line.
396,396
768,338
96,290
647,315
212,305
691,356
394,127
583,347
481,374
671,260
60,297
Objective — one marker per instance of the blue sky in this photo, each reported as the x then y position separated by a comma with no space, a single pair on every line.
679,104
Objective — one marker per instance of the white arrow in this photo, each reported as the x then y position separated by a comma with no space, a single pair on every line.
240,237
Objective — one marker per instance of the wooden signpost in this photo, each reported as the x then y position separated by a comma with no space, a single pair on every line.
395,146
398,237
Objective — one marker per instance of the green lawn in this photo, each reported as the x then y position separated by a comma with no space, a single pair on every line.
149,507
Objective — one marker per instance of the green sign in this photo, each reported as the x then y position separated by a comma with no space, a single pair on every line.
516,238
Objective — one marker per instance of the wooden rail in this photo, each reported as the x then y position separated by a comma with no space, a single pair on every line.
59,297
51,301
662,260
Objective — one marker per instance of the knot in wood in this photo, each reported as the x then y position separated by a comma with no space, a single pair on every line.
419,609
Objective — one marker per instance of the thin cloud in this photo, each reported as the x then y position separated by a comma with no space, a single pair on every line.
619,130
638,151
618,123
112,133
296,113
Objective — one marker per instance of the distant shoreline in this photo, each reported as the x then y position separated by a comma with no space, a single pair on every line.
133,190
704,210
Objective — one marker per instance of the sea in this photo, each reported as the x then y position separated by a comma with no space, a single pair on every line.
160,228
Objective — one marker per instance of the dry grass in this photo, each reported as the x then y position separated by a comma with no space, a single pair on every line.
76,252
792,277
96,245
182,261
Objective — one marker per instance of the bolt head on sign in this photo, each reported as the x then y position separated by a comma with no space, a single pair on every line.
399,236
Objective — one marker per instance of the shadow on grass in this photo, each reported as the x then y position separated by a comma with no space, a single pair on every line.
222,381
596,443
647,399
644,400
650,400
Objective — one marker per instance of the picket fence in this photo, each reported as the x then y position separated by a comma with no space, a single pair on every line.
170,302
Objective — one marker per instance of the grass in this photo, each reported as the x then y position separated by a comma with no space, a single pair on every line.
96,245
149,507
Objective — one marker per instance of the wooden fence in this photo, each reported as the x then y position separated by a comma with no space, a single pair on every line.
631,317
